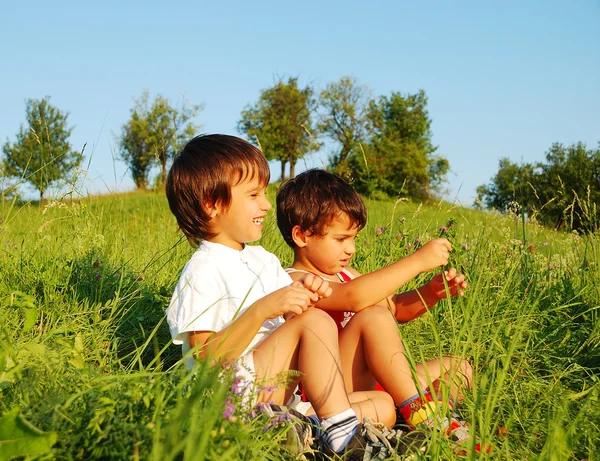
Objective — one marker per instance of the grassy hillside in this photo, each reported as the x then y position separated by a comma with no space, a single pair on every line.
85,354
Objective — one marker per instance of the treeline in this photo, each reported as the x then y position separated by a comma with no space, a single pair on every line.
383,145
562,192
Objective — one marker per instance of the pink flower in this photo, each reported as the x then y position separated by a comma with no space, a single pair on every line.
98,276
465,246
443,230
409,245
380,230
117,276
236,388
229,410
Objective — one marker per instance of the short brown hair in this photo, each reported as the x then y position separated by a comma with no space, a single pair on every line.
313,199
202,175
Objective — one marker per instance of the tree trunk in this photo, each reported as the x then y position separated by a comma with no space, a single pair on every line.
41,198
283,162
163,179
292,170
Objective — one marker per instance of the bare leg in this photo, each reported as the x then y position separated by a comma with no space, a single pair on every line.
371,350
451,371
377,405
308,343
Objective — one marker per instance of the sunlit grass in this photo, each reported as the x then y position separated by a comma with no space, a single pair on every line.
84,349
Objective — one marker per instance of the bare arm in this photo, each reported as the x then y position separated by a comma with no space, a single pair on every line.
375,287
413,303
228,344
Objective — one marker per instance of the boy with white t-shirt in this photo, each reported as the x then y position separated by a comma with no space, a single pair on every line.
230,299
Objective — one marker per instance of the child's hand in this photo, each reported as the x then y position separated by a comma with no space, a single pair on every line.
315,284
456,284
434,254
294,299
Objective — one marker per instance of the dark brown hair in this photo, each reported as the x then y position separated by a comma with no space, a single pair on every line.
313,199
202,175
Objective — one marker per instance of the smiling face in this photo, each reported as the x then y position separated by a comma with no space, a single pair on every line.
242,222
327,254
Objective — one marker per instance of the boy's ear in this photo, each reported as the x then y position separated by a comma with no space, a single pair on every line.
299,237
212,209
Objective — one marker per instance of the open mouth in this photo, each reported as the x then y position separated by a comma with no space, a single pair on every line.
257,221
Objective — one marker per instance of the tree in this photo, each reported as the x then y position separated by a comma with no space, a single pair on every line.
512,184
399,157
569,186
344,106
153,135
563,190
280,123
42,154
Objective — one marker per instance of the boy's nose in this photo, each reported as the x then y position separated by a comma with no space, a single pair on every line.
351,248
266,205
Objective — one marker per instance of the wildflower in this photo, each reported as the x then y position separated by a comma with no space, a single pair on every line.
229,410
466,247
550,266
409,245
545,244
531,248
236,387
269,389
402,219
139,277
380,230
443,230
417,241
399,236
450,223
98,276
96,263
117,276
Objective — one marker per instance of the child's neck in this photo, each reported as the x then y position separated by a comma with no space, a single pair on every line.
226,242
302,264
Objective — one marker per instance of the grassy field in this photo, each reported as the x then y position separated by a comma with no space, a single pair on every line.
87,370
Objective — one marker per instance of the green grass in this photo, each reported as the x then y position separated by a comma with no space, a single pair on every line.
85,354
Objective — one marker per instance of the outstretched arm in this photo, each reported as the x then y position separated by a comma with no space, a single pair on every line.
376,287
413,303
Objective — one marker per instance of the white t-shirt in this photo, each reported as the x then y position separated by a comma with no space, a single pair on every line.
219,283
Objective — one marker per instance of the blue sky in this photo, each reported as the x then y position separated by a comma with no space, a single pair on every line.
504,79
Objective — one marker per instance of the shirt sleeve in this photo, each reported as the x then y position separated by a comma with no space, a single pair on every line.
199,303
283,278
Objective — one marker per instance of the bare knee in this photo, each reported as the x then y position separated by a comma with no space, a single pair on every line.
317,321
466,371
461,369
374,315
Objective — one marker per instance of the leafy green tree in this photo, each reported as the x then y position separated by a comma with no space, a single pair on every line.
512,184
569,187
281,123
153,135
42,154
343,118
399,157
562,191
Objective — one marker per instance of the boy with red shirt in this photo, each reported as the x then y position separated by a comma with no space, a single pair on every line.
319,215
